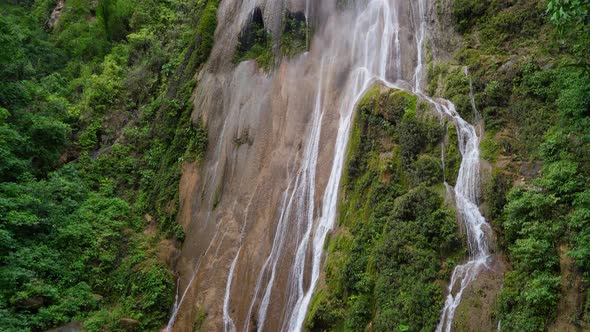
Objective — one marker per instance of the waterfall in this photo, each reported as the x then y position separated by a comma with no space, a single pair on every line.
372,42
476,116
228,322
372,65
420,35
303,195
466,196
466,191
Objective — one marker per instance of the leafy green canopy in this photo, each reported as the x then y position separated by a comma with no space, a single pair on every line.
94,125
572,19
554,210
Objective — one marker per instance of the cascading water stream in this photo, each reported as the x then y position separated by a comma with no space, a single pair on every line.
466,196
303,197
466,193
420,35
372,66
476,116
228,322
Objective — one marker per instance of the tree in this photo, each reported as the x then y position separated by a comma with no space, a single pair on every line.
572,19
566,11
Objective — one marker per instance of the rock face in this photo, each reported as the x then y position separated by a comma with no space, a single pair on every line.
56,14
129,324
250,213
71,327
572,296
476,311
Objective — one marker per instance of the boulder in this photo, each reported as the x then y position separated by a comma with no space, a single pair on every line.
71,327
129,324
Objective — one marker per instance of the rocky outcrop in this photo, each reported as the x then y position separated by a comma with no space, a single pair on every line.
129,324
56,14
71,327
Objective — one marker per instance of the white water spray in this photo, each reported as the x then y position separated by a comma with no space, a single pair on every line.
303,199
373,32
420,36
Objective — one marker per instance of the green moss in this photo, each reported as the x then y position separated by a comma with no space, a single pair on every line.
295,36
467,11
217,197
199,321
456,89
368,102
495,190
452,154
427,170
198,141
204,33
410,103
255,43
489,147
382,204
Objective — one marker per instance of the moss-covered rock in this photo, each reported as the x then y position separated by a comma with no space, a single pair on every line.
388,259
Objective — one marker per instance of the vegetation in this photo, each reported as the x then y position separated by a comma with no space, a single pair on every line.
572,19
397,240
255,42
531,83
94,125
294,39
550,211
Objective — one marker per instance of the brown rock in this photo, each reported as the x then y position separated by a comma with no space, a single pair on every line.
56,14
167,253
129,324
71,327
33,303
476,311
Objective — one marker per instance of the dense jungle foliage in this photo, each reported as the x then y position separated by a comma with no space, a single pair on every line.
94,126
